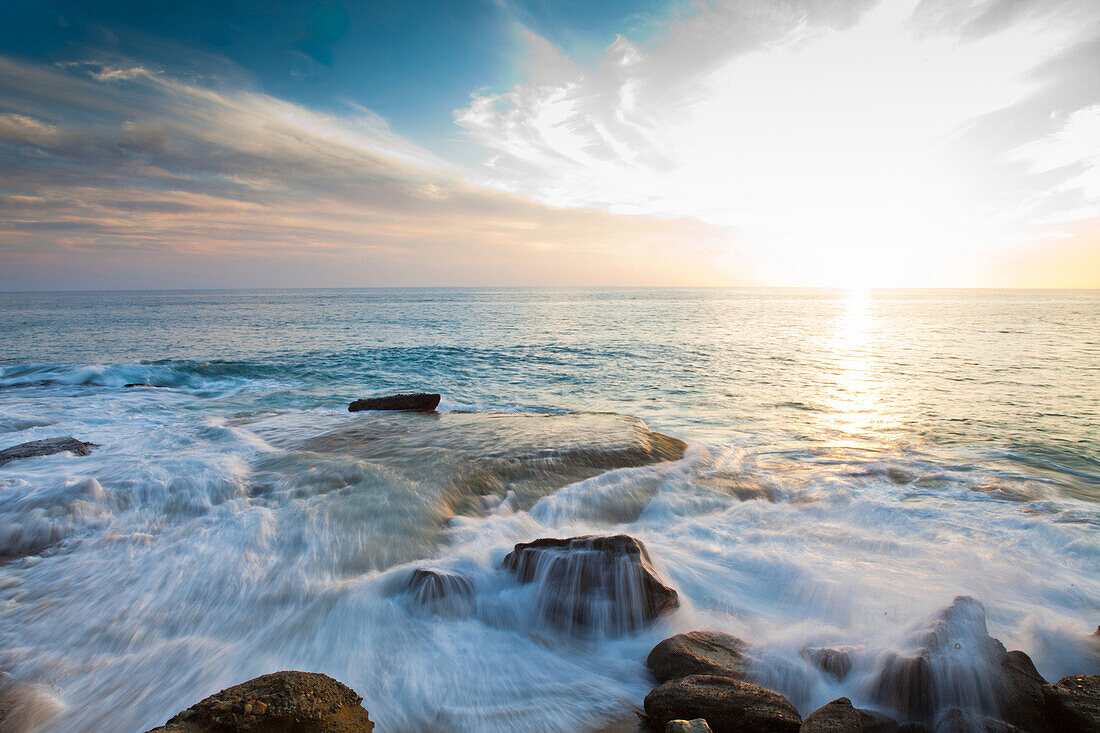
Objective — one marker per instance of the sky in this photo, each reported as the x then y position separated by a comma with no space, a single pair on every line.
303,143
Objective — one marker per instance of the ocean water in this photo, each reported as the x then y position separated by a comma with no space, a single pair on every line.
855,460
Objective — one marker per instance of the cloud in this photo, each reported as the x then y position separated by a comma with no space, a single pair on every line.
121,174
851,141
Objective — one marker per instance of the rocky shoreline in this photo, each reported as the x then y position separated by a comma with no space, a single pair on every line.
955,679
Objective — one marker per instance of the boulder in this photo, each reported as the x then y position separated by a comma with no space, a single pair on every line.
441,591
1073,705
592,586
835,662
698,652
45,447
840,716
302,702
728,705
954,663
421,401
688,726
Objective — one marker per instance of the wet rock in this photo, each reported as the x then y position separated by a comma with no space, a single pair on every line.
955,720
840,716
441,591
954,663
45,447
302,702
832,661
421,402
698,652
1073,704
24,707
592,585
728,705
688,726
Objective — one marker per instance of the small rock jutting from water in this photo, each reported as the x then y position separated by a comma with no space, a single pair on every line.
441,591
698,652
419,402
728,705
592,586
840,716
45,447
836,662
302,702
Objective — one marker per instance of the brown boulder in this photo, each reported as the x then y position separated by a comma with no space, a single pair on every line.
441,591
840,716
832,661
283,702
1073,705
592,585
698,652
728,705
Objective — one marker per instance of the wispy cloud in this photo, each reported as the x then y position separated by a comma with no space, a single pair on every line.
113,171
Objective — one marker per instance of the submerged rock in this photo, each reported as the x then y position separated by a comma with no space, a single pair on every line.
45,447
840,716
592,585
832,661
956,664
1073,704
302,702
421,401
24,707
441,591
728,705
698,652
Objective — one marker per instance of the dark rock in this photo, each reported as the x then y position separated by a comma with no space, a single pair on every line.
441,591
298,702
954,663
728,705
954,720
840,716
835,662
420,402
44,447
592,585
1073,705
912,727
698,652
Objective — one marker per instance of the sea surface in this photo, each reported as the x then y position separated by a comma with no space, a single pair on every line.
855,461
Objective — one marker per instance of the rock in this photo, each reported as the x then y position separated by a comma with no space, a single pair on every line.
728,705
45,447
420,402
25,707
687,726
832,661
840,716
591,586
954,663
302,702
954,720
441,591
698,652
1073,705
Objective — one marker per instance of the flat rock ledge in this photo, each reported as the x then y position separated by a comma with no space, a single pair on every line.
418,402
45,447
282,702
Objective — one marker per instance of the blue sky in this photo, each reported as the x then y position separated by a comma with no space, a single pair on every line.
844,143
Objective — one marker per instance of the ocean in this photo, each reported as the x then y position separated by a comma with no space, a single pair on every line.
854,461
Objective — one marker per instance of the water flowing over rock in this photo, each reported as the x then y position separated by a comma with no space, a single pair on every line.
45,447
302,702
840,716
441,591
421,402
698,652
728,705
954,663
592,586
834,662
1073,704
